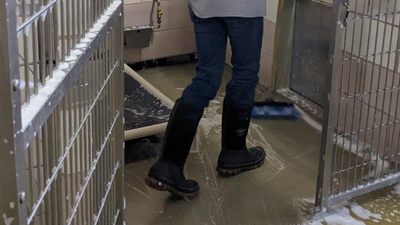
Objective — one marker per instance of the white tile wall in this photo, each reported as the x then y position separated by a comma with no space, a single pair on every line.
272,10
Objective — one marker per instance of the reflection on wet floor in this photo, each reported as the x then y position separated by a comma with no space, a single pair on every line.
281,192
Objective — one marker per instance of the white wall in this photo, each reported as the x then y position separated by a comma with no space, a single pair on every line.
272,10
175,37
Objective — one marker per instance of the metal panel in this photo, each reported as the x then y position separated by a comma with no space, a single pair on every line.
360,141
283,47
11,185
310,48
61,108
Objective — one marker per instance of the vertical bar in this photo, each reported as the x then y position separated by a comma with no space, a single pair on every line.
335,148
96,13
39,172
99,133
64,181
62,28
346,109
26,54
85,145
369,95
68,27
362,95
76,177
91,136
72,170
35,52
391,93
58,152
79,19
395,69
91,13
109,116
352,132
56,44
335,53
108,120
74,25
46,172
50,43
102,116
84,17
31,177
42,50
66,119
119,104
81,144
96,138
377,94
52,158
76,146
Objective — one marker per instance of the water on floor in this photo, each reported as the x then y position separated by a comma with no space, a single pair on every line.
281,192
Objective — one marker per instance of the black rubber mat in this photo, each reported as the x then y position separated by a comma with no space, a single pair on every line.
142,109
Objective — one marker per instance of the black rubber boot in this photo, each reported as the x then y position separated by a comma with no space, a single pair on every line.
235,157
167,173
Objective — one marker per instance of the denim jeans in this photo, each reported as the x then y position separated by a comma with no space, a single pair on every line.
245,36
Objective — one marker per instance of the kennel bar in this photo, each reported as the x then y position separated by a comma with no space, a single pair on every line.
62,123
361,132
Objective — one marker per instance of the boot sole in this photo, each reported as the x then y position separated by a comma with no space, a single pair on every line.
160,186
234,172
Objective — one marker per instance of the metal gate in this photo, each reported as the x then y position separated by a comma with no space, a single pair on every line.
61,105
360,140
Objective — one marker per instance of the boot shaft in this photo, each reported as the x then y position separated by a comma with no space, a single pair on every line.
181,129
235,125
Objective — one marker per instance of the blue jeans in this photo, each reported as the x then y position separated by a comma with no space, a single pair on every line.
245,35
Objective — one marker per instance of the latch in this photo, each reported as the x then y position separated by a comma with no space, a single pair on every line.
346,4
160,13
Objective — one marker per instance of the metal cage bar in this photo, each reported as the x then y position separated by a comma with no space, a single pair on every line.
61,108
360,140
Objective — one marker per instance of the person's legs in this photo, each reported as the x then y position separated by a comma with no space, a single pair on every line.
167,173
246,39
245,36
211,40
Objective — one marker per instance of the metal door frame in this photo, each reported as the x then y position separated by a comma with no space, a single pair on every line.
283,46
338,13
283,58
21,122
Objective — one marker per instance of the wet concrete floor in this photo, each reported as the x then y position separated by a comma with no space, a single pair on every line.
280,192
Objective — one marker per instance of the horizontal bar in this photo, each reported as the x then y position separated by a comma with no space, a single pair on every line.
368,128
103,201
116,217
371,92
371,16
370,55
62,159
363,164
94,166
37,15
35,114
364,189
